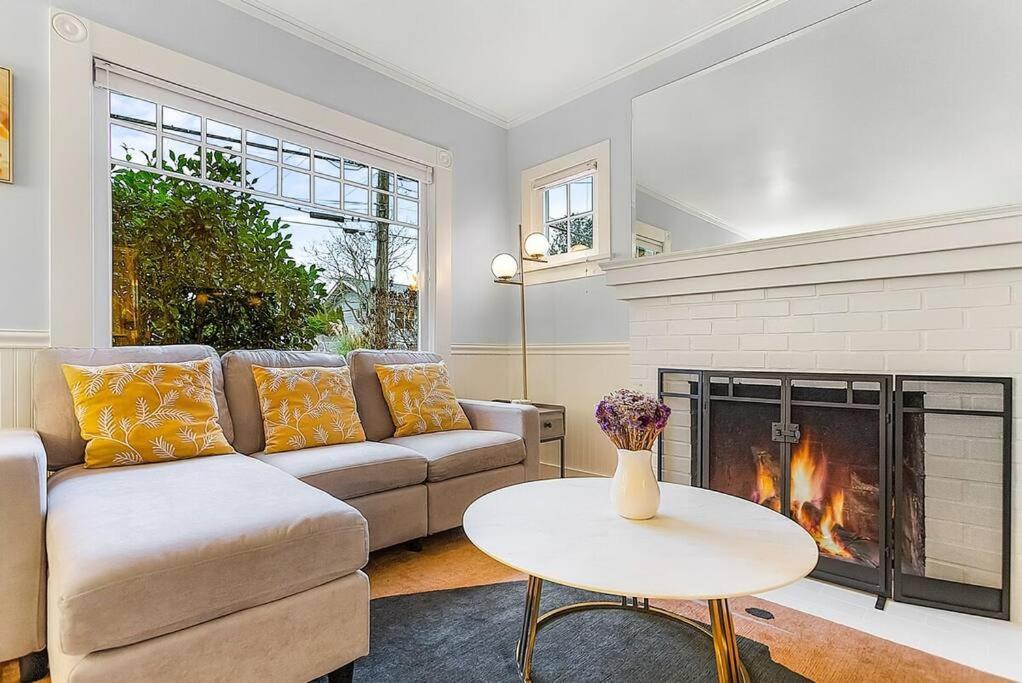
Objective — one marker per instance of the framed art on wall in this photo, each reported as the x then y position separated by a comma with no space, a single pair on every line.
6,143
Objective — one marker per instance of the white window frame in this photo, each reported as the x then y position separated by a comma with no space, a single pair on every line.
80,251
593,160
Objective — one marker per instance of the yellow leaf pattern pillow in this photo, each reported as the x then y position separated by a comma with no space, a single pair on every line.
420,398
134,413
304,407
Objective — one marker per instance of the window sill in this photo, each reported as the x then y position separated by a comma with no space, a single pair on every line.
585,266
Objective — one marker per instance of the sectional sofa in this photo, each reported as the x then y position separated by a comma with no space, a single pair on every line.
232,567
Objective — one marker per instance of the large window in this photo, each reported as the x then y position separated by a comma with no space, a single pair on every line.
238,231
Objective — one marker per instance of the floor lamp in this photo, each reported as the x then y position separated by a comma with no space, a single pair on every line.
505,267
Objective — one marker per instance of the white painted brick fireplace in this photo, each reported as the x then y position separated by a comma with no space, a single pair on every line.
960,323
942,299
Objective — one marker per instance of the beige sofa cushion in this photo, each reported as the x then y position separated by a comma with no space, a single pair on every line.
349,470
137,552
242,396
453,454
55,411
372,406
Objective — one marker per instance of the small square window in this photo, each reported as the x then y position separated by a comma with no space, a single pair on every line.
563,198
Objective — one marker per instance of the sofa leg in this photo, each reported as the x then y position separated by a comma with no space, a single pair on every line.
343,675
414,545
34,666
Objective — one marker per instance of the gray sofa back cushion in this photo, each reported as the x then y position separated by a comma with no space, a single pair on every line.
54,409
243,397
372,407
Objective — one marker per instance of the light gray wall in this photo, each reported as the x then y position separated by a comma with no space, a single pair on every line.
24,209
606,114
217,34
687,231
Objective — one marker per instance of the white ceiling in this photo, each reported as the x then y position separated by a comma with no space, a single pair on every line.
504,60
897,109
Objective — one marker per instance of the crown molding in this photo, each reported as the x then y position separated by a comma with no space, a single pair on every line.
296,27
691,210
743,13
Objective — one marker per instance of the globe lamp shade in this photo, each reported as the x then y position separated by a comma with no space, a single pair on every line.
504,266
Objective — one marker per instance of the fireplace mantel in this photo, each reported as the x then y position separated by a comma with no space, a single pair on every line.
990,239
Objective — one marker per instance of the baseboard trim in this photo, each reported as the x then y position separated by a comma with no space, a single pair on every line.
594,349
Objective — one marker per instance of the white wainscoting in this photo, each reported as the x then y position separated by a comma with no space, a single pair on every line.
573,375
17,348
576,376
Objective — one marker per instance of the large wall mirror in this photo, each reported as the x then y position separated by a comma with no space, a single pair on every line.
896,110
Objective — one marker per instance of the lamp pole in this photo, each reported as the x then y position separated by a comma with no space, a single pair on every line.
521,285
507,277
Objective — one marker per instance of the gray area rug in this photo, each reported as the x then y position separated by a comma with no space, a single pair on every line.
469,634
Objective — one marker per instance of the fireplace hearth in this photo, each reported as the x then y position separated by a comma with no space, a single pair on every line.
903,482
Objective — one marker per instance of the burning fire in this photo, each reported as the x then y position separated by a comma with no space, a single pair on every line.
820,514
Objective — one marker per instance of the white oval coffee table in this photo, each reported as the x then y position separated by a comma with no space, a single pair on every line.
702,545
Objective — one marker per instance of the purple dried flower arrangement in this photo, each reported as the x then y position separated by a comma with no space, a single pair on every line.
633,420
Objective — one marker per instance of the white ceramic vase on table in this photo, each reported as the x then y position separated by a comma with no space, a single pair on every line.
634,491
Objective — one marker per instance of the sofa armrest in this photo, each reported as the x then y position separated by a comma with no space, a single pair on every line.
515,418
22,543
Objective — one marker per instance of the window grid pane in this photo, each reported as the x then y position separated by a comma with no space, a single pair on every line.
178,141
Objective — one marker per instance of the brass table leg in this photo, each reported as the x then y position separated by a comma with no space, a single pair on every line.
725,647
527,639
722,631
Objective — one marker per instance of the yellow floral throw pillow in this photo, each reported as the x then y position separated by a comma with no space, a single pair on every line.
305,407
420,398
135,413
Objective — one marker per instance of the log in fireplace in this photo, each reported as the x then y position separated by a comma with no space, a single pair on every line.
904,482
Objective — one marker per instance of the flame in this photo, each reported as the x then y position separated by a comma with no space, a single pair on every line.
766,488
822,515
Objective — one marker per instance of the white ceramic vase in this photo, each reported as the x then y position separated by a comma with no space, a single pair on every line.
634,491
